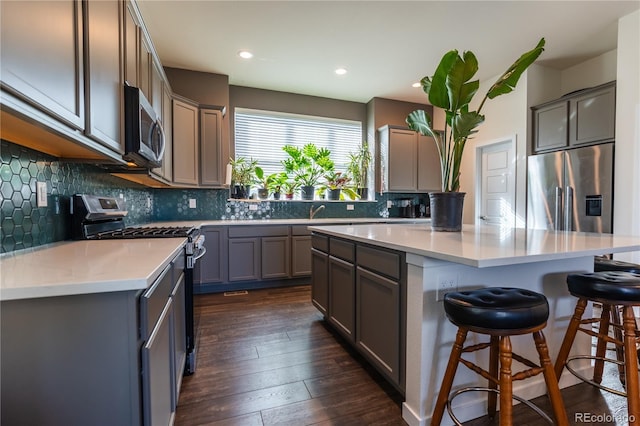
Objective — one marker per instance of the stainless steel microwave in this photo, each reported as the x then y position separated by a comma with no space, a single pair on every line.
144,137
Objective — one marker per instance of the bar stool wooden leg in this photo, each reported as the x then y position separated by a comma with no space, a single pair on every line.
553,390
494,351
506,387
569,337
633,387
601,347
449,374
617,333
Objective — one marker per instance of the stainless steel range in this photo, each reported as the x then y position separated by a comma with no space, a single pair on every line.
102,218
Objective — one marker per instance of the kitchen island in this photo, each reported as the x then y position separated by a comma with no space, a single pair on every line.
477,257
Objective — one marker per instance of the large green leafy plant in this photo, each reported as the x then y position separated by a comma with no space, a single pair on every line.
451,89
307,164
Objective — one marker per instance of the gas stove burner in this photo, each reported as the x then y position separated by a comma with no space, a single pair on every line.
147,232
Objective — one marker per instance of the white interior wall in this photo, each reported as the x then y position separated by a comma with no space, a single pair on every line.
596,71
626,204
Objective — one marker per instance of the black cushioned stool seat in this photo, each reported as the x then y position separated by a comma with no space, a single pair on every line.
600,265
613,289
499,312
497,308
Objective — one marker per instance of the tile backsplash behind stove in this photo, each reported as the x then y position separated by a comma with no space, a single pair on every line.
23,224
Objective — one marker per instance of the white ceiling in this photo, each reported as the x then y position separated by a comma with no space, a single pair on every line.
385,45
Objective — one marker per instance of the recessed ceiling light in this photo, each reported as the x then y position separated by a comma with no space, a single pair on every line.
416,84
245,54
341,71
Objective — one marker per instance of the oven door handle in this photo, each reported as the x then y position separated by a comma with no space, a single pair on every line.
200,254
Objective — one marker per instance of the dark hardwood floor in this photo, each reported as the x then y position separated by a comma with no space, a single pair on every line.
268,358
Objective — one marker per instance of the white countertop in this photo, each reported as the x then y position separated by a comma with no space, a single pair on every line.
484,246
82,267
318,221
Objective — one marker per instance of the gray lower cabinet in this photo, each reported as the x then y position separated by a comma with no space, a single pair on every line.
244,259
320,280
94,359
300,255
275,256
212,267
378,321
342,297
360,289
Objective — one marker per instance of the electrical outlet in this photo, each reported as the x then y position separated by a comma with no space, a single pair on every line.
350,206
253,207
148,202
389,204
446,283
192,203
41,194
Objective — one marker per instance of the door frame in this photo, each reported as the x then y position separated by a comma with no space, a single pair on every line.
480,147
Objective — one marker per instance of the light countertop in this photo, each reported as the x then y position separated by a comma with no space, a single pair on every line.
82,267
484,246
309,222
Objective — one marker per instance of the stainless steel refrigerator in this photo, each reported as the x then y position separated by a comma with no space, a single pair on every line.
571,190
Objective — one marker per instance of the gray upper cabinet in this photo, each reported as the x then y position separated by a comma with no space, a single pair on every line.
550,126
581,118
166,171
407,161
593,116
104,78
185,143
131,46
144,70
212,157
42,56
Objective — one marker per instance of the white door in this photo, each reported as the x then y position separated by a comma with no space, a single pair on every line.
497,185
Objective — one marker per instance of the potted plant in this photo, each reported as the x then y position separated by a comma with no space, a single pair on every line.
450,88
307,165
263,190
335,184
242,176
289,187
276,183
358,167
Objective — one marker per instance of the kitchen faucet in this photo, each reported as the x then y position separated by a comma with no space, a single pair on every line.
313,212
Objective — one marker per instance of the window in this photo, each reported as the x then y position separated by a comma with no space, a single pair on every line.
262,134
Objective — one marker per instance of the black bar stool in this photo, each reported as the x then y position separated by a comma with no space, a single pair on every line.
610,288
499,312
602,264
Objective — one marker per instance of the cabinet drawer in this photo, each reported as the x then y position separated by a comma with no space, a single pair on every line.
342,249
378,260
258,231
320,242
300,230
153,301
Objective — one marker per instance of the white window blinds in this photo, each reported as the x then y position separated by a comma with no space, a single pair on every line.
262,134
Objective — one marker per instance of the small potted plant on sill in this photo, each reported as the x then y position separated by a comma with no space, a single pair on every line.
263,181
358,167
289,188
242,176
307,165
450,88
276,183
335,184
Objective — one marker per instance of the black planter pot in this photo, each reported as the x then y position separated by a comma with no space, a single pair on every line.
446,211
363,193
263,193
307,191
333,194
241,191
276,195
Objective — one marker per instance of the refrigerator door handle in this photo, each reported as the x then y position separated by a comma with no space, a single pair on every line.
568,210
558,210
